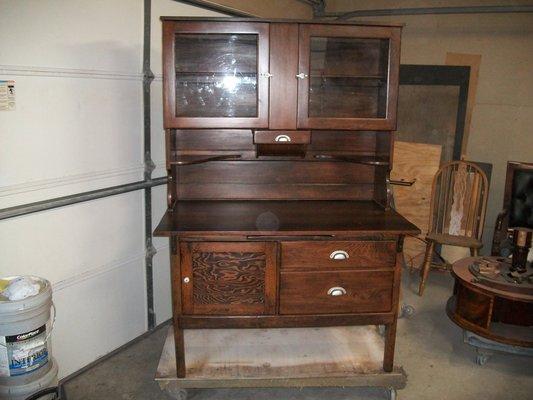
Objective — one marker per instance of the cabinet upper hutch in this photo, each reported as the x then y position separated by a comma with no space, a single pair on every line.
230,74
279,148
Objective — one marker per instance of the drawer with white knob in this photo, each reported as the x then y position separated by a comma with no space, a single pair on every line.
313,255
282,137
336,292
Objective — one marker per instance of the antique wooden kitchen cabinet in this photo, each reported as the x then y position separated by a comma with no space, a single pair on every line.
279,147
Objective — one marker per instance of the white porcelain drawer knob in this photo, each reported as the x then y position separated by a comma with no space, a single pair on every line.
186,279
282,138
339,255
336,291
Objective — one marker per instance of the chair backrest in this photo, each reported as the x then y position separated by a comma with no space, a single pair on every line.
459,200
518,198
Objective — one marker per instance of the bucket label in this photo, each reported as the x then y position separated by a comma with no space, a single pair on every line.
23,353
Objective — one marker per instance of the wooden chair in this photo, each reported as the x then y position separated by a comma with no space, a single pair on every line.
457,210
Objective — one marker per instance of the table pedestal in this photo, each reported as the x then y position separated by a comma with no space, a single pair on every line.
493,319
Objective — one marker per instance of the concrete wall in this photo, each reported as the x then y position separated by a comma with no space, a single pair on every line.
502,117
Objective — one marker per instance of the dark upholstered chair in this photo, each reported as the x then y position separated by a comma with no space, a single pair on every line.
517,207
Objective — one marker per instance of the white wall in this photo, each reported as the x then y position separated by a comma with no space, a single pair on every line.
78,127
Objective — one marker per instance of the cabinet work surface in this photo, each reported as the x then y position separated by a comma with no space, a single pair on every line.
282,217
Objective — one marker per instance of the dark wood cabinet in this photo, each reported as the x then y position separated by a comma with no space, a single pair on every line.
279,149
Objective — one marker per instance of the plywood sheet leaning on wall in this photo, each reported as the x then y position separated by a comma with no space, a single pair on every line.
420,162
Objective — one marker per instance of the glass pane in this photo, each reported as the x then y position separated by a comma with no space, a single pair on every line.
348,77
216,75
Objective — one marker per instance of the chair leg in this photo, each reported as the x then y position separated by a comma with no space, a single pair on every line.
474,251
425,266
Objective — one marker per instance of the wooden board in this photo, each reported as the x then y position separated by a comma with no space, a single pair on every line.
248,217
333,356
415,161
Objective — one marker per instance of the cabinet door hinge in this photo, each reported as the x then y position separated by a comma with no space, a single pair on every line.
174,245
399,244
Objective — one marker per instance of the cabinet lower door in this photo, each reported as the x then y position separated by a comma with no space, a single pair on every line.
228,278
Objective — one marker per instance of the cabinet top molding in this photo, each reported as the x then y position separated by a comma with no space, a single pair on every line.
279,20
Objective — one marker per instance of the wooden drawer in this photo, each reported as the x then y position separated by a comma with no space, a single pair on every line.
282,137
336,292
338,254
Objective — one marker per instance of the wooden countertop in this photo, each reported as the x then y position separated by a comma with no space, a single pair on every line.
311,217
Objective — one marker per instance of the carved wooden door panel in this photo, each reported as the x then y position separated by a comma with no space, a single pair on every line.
228,278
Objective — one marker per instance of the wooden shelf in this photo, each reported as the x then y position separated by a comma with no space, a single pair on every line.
218,73
199,159
366,160
282,217
347,76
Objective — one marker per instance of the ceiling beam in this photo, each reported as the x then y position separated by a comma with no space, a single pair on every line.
429,11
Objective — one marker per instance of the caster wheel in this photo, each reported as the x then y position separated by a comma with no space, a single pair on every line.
393,395
407,311
177,394
482,357
481,360
182,395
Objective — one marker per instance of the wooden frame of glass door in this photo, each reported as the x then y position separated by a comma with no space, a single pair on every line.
375,32
170,29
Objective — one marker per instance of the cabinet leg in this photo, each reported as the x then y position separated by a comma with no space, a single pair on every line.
180,352
474,251
390,341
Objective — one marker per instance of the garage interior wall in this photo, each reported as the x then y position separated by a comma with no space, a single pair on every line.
503,111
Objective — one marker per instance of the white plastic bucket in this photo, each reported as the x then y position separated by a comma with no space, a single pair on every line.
25,329
23,387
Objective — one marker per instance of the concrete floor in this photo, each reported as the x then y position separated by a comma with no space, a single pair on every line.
429,346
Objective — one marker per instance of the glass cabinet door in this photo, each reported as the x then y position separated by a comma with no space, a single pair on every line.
348,77
216,74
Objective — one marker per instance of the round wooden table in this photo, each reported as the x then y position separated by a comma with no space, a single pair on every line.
500,315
